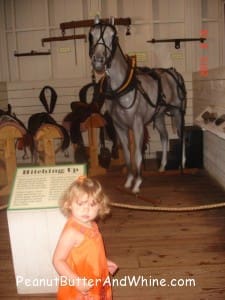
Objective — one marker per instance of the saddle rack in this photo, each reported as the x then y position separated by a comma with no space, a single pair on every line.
8,134
44,138
91,124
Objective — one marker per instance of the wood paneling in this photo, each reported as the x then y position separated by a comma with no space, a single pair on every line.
3,96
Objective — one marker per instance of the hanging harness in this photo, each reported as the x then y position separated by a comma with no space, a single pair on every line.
36,120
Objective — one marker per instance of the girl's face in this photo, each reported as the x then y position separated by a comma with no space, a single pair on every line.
84,210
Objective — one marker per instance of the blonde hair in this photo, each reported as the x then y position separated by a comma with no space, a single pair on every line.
92,188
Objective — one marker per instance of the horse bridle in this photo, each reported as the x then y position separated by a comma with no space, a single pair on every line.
101,41
130,81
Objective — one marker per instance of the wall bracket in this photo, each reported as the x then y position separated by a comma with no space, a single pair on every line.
90,22
32,53
64,38
177,41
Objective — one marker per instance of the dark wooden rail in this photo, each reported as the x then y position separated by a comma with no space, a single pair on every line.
177,41
63,38
32,53
90,22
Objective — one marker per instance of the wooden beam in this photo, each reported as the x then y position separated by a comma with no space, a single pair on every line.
32,53
90,22
177,41
64,38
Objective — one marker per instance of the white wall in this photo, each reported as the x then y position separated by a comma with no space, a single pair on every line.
25,22
209,95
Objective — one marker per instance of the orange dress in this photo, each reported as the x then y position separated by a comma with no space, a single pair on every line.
88,261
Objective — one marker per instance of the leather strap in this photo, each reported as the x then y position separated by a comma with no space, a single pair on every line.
42,97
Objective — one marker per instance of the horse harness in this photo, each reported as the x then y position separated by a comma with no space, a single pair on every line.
128,85
131,82
36,120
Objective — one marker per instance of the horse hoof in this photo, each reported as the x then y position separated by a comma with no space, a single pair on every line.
162,169
136,190
128,183
136,187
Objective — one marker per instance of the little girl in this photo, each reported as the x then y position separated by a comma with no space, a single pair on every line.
79,256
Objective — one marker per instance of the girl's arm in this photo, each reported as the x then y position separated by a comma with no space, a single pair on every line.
68,239
112,267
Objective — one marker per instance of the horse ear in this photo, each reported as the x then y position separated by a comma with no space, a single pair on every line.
9,109
97,19
112,21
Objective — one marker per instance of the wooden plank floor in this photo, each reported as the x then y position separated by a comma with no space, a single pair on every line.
154,245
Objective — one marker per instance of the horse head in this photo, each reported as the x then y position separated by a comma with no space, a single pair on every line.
102,44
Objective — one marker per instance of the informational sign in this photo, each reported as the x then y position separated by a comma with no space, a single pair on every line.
35,223
141,56
178,55
42,187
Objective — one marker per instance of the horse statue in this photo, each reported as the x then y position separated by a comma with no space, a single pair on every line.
136,96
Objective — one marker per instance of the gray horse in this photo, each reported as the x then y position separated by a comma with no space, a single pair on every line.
136,96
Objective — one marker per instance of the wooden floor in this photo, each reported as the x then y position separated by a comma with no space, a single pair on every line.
155,246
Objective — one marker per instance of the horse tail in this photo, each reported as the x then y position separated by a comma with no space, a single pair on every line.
180,86
182,92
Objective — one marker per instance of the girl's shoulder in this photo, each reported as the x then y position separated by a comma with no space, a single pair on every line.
72,232
90,232
69,238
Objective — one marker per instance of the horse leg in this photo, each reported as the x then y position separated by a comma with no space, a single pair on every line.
123,137
138,132
161,127
178,116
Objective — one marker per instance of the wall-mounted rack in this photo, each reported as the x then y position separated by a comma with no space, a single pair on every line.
177,41
32,53
90,22
63,38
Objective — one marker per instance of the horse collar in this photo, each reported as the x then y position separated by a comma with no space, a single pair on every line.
130,76
129,83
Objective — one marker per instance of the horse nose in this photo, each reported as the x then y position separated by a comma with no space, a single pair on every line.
98,58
